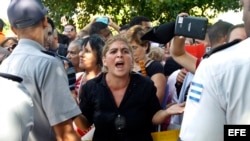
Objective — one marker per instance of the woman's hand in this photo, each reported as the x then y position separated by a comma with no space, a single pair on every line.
175,108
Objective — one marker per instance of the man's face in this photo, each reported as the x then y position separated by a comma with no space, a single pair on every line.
146,24
106,33
70,31
49,38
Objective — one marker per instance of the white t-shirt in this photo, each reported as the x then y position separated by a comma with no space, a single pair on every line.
219,95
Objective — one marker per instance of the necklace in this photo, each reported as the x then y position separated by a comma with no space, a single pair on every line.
143,69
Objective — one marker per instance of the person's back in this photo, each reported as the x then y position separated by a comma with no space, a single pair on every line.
43,74
16,108
219,92
226,91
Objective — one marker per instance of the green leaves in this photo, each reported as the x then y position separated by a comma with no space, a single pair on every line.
122,11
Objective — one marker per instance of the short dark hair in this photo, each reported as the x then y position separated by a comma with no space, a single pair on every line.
50,21
96,27
2,24
63,39
218,30
137,20
124,27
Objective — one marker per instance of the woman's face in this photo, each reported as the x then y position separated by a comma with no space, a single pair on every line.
139,51
88,58
118,59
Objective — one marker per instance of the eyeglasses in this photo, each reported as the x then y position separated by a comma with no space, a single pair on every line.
50,33
12,47
68,29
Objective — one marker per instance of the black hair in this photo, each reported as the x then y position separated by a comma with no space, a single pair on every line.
50,21
96,27
63,39
2,24
96,44
124,27
137,20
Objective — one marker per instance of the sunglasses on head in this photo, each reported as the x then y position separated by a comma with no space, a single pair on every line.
68,29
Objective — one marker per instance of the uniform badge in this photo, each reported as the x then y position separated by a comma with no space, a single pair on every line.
195,92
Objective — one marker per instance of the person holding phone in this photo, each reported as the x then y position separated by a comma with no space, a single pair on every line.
101,26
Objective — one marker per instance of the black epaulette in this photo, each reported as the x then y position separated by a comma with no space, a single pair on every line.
49,53
11,77
222,47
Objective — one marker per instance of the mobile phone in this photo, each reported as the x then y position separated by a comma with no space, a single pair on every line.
103,20
192,27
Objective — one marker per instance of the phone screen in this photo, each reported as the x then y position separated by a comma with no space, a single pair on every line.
103,20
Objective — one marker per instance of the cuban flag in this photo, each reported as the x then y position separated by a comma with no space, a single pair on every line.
195,91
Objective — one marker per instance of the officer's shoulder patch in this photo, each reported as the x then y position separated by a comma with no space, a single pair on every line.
49,53
221,47
195,91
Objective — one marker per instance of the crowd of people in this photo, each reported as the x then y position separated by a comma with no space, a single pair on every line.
125,84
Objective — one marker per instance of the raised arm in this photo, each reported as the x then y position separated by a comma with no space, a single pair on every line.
179,54
114,25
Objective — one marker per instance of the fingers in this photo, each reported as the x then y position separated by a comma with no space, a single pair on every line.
169,105
183,14
174,108
181,75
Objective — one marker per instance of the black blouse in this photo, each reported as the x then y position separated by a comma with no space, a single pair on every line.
131,121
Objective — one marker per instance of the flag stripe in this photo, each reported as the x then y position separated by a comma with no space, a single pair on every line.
197,84
194,99
195,91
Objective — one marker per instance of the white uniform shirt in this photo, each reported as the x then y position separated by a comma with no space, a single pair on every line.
16,108
219,95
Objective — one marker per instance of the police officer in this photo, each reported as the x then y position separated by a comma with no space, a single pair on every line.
43,74
219,91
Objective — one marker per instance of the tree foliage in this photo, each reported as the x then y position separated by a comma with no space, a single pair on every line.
121,11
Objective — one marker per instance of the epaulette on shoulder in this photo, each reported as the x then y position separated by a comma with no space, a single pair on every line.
11,77
49,53
222,47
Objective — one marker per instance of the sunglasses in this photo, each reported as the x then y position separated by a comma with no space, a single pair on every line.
68,29
12,47
50,33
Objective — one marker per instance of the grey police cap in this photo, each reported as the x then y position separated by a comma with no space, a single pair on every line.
25,13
